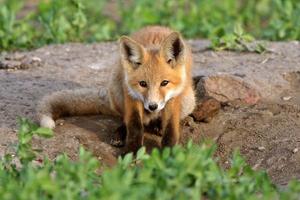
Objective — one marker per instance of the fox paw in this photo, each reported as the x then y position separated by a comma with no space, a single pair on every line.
119,137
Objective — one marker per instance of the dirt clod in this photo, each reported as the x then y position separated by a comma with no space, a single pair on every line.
19,61
206,109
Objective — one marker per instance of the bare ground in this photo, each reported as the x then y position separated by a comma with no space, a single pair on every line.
267,133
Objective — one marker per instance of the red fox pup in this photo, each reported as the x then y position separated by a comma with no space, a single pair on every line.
153,81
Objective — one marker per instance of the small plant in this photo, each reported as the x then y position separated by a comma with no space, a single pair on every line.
14,33
62,20
25,134
189,172
284,20
55,21
237,41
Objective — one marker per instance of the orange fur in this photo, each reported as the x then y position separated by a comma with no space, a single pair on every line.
148,56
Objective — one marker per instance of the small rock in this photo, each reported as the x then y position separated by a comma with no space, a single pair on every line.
36,59
295,150
287,98
188,121
239,75
30,62
228,88
206,109
60,122
19,61
10,64
261,148
15,56
295,42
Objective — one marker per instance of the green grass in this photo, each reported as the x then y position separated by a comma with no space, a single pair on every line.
189,172
56,21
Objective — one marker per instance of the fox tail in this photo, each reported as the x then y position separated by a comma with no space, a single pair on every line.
72,102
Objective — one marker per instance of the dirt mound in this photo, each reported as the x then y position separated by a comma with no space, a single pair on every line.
267,133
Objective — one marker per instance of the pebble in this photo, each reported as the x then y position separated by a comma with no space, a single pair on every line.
19,62
60,122
16,56
9,64
295,150
36,59
261,148
287,98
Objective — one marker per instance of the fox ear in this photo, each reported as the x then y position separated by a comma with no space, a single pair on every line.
131,51
173,48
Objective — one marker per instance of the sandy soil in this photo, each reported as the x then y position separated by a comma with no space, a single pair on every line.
267,133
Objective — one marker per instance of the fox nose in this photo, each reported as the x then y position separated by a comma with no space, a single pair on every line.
153,106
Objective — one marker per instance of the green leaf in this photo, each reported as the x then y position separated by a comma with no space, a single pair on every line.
44,132
141,154
238,30
127,160
25,138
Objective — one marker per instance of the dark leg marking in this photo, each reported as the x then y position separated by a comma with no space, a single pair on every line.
135,132
170,137
154,127
119,136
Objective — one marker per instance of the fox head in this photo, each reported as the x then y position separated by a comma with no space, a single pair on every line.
154,75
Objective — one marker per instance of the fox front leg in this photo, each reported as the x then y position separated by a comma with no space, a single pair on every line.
134,126
171,124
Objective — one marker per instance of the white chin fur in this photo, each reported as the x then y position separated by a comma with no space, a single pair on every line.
47,122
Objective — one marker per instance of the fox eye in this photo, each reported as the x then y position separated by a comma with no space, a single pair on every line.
143,83
164,83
